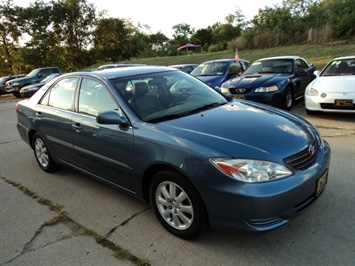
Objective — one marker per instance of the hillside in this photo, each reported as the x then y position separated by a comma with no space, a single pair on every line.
319,55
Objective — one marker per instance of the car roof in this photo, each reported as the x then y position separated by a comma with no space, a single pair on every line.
182,65
294,57
221,60
122,72
344,57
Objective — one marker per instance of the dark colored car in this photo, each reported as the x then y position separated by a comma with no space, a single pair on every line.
3,81
108,66
198,158
276,81
28,91
37,75
215,72
185,67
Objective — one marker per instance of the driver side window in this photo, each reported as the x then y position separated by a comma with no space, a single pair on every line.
94,98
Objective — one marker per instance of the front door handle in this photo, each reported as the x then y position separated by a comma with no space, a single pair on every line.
77,127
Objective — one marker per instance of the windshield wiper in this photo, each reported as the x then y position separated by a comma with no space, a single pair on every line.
205,107
165,118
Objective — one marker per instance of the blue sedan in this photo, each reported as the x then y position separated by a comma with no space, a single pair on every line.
200,158
215,72
277,81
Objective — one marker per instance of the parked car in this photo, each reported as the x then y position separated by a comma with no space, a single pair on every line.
29,90
185,67
277,81
334,88
107,66
37,75
200,159
215,72
3,81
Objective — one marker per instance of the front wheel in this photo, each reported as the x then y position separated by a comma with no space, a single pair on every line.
288,99
43,157
177,205
17,94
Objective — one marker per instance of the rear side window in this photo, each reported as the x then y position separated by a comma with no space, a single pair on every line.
61,95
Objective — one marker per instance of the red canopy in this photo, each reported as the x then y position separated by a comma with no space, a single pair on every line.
189,46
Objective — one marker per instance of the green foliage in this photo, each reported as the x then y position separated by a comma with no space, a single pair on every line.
72,35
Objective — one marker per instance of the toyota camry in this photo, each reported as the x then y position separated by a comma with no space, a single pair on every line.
200,158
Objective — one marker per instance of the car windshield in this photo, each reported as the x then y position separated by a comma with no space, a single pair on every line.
271,66
340,68
50,77
33,73
210,69
167,95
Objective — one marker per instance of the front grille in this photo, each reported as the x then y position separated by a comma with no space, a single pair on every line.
333,107
239,90
303,158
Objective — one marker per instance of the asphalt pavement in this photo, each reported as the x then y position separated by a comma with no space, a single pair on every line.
68,219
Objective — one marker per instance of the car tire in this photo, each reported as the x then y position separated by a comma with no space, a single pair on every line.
43,157
309,112
177,205
17,94
288,99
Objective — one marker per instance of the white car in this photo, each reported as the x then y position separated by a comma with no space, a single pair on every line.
333,89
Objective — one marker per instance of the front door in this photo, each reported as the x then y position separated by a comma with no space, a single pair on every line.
103,150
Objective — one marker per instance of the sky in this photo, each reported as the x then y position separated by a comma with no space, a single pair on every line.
162,15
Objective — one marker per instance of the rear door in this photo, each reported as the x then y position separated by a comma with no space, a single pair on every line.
53,118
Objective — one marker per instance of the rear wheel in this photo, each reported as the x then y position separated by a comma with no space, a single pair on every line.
288,99
43,157
177,205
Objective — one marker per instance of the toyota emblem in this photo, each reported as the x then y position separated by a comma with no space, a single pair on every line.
311,149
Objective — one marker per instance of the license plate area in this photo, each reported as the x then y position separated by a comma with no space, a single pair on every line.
321,182
343,103
239,96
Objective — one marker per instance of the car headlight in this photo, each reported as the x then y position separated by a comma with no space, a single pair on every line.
311,92
267,89
251,171
225,90
15,84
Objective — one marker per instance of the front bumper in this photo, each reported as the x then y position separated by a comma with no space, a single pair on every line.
268,205
316,103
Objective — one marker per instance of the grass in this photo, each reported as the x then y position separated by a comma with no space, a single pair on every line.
319,55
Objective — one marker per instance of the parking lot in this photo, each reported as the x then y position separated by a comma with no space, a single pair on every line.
324,235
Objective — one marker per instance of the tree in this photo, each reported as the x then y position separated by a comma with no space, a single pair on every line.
73,22
10,34
182,33
38,25
111,39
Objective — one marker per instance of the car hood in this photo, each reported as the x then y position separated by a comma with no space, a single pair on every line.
242,129
20,79
336,84
254,81
212,81
34,86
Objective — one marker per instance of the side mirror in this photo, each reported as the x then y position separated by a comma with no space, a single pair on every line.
316,73
301,71
110,118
